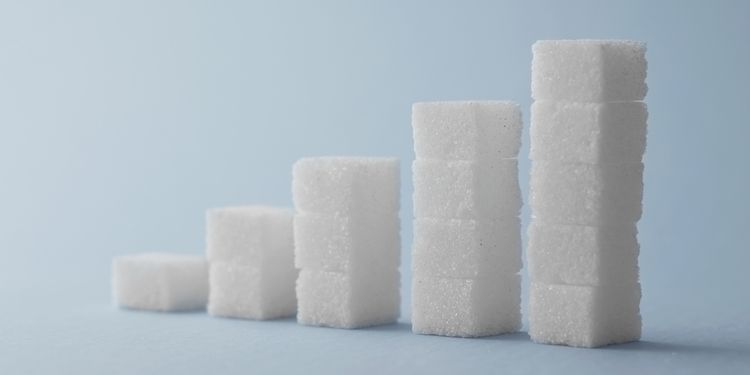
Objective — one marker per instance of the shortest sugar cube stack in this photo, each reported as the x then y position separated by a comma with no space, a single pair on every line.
588,137
251,255
466,253
160,282
347,242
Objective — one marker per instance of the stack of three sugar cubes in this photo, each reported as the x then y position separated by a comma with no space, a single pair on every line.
588,134
347,240
467,244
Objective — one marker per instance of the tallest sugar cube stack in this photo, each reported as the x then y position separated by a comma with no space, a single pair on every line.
347,240
467,243
588,137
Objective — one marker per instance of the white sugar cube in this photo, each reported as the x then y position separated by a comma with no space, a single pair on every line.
340,300
588,70
466,189
466,130
584,316
345,243
466,307
160,281
583,255
588,132
586,194
252,291
250,235
466,248
346,185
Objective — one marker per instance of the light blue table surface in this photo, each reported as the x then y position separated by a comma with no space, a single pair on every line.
122,121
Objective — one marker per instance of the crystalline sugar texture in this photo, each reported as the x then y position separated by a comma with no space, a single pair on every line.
586,194
250,235
466,130
346,185
466,189
466,248
251,291
584,316
466,307
588,70
588,132
160,281
340,300
583,255
347,243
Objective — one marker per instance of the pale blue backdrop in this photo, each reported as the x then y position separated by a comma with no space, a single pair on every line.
122,121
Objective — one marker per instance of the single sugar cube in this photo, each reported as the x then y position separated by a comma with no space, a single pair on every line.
583,255
584,316
160,281
586,194
252,291
588,132
334,242
250,235
466,248
466,307
346,185
588,70
466,189
340,300
467,130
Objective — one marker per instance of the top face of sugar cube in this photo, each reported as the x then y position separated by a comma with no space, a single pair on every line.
467,130
346,185
588,70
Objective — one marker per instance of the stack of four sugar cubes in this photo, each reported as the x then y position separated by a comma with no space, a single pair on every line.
588,134
466,252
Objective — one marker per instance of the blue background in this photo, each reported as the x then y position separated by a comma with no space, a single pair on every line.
121,122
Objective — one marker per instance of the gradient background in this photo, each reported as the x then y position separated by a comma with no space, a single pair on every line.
122,121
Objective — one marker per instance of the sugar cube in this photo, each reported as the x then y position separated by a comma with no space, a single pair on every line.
584,316
588,70
466,307
341,300
593,133
252,291
466,130
250,235
466,248
160,281
583,255
466,189
345,243
586,194
358,185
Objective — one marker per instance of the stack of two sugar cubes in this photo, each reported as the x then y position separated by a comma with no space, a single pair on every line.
588,134
347,240
250,252
467,248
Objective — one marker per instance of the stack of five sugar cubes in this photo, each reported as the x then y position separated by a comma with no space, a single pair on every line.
588,136
466,252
